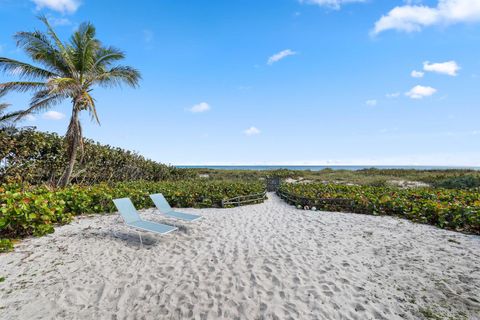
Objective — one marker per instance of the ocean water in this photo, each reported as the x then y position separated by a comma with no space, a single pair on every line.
318,168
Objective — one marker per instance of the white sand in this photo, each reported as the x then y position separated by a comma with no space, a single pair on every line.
267,261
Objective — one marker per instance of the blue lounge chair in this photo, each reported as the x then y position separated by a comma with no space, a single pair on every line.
163,206
132,219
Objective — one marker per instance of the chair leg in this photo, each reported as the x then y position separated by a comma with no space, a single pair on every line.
140,236
118,220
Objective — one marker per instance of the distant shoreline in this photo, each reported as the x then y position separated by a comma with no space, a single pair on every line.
319,168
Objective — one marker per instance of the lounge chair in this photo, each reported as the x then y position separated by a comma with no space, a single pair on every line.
132,219
164,208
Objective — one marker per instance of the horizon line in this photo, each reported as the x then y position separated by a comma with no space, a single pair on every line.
324,165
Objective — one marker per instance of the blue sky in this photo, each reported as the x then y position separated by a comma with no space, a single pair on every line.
278,82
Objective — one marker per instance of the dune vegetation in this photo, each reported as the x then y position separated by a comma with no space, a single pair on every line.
445,208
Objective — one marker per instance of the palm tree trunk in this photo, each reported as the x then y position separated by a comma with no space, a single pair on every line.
73,138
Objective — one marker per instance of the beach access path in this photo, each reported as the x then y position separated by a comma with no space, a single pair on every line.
265,261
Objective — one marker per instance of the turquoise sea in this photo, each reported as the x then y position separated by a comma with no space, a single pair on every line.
318,168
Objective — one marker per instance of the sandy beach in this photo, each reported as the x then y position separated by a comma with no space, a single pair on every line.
266,261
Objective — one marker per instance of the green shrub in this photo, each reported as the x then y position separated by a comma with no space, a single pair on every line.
33,157
449,209
35,211
6,245
378,182
26,213
462,182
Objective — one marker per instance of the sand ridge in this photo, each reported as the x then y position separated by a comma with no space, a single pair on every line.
266,261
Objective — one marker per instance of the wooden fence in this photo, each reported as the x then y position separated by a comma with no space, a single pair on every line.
333,204
242,200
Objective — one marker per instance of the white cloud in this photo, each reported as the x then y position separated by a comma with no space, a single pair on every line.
63,6
419,92
53,115
59,21
410,18
281,55
201,107
450,67
371,103
393,95
252,131
417,74
333,4
30,117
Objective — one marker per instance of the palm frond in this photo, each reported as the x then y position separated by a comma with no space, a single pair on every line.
24,70
91,107
21,86
7,119
11,116
84,46
119,75
64,50
4,106
65,86
43,100
38,46
106,56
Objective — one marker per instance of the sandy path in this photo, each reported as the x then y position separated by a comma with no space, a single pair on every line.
267,261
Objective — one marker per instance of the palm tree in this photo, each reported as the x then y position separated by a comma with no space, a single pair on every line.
68,70
7,119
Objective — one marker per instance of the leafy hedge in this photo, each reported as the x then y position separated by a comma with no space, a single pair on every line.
35,211
461,182
33,157
449,209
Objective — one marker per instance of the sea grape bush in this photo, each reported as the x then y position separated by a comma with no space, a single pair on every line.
33,157
6,245
35,210
29,213
461,182
449,209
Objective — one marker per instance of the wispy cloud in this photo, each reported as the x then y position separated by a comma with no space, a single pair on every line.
333,4
393,95
148,35
244,88
53,115
252,131
419,92
450,68
411,18
417,74
281,55
201,107
371,103
59,21
30,117
62,6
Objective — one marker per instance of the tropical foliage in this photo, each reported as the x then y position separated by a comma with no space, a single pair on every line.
450,209
372,177
5,246
461,182
35,158
35,211
7,118
66,71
